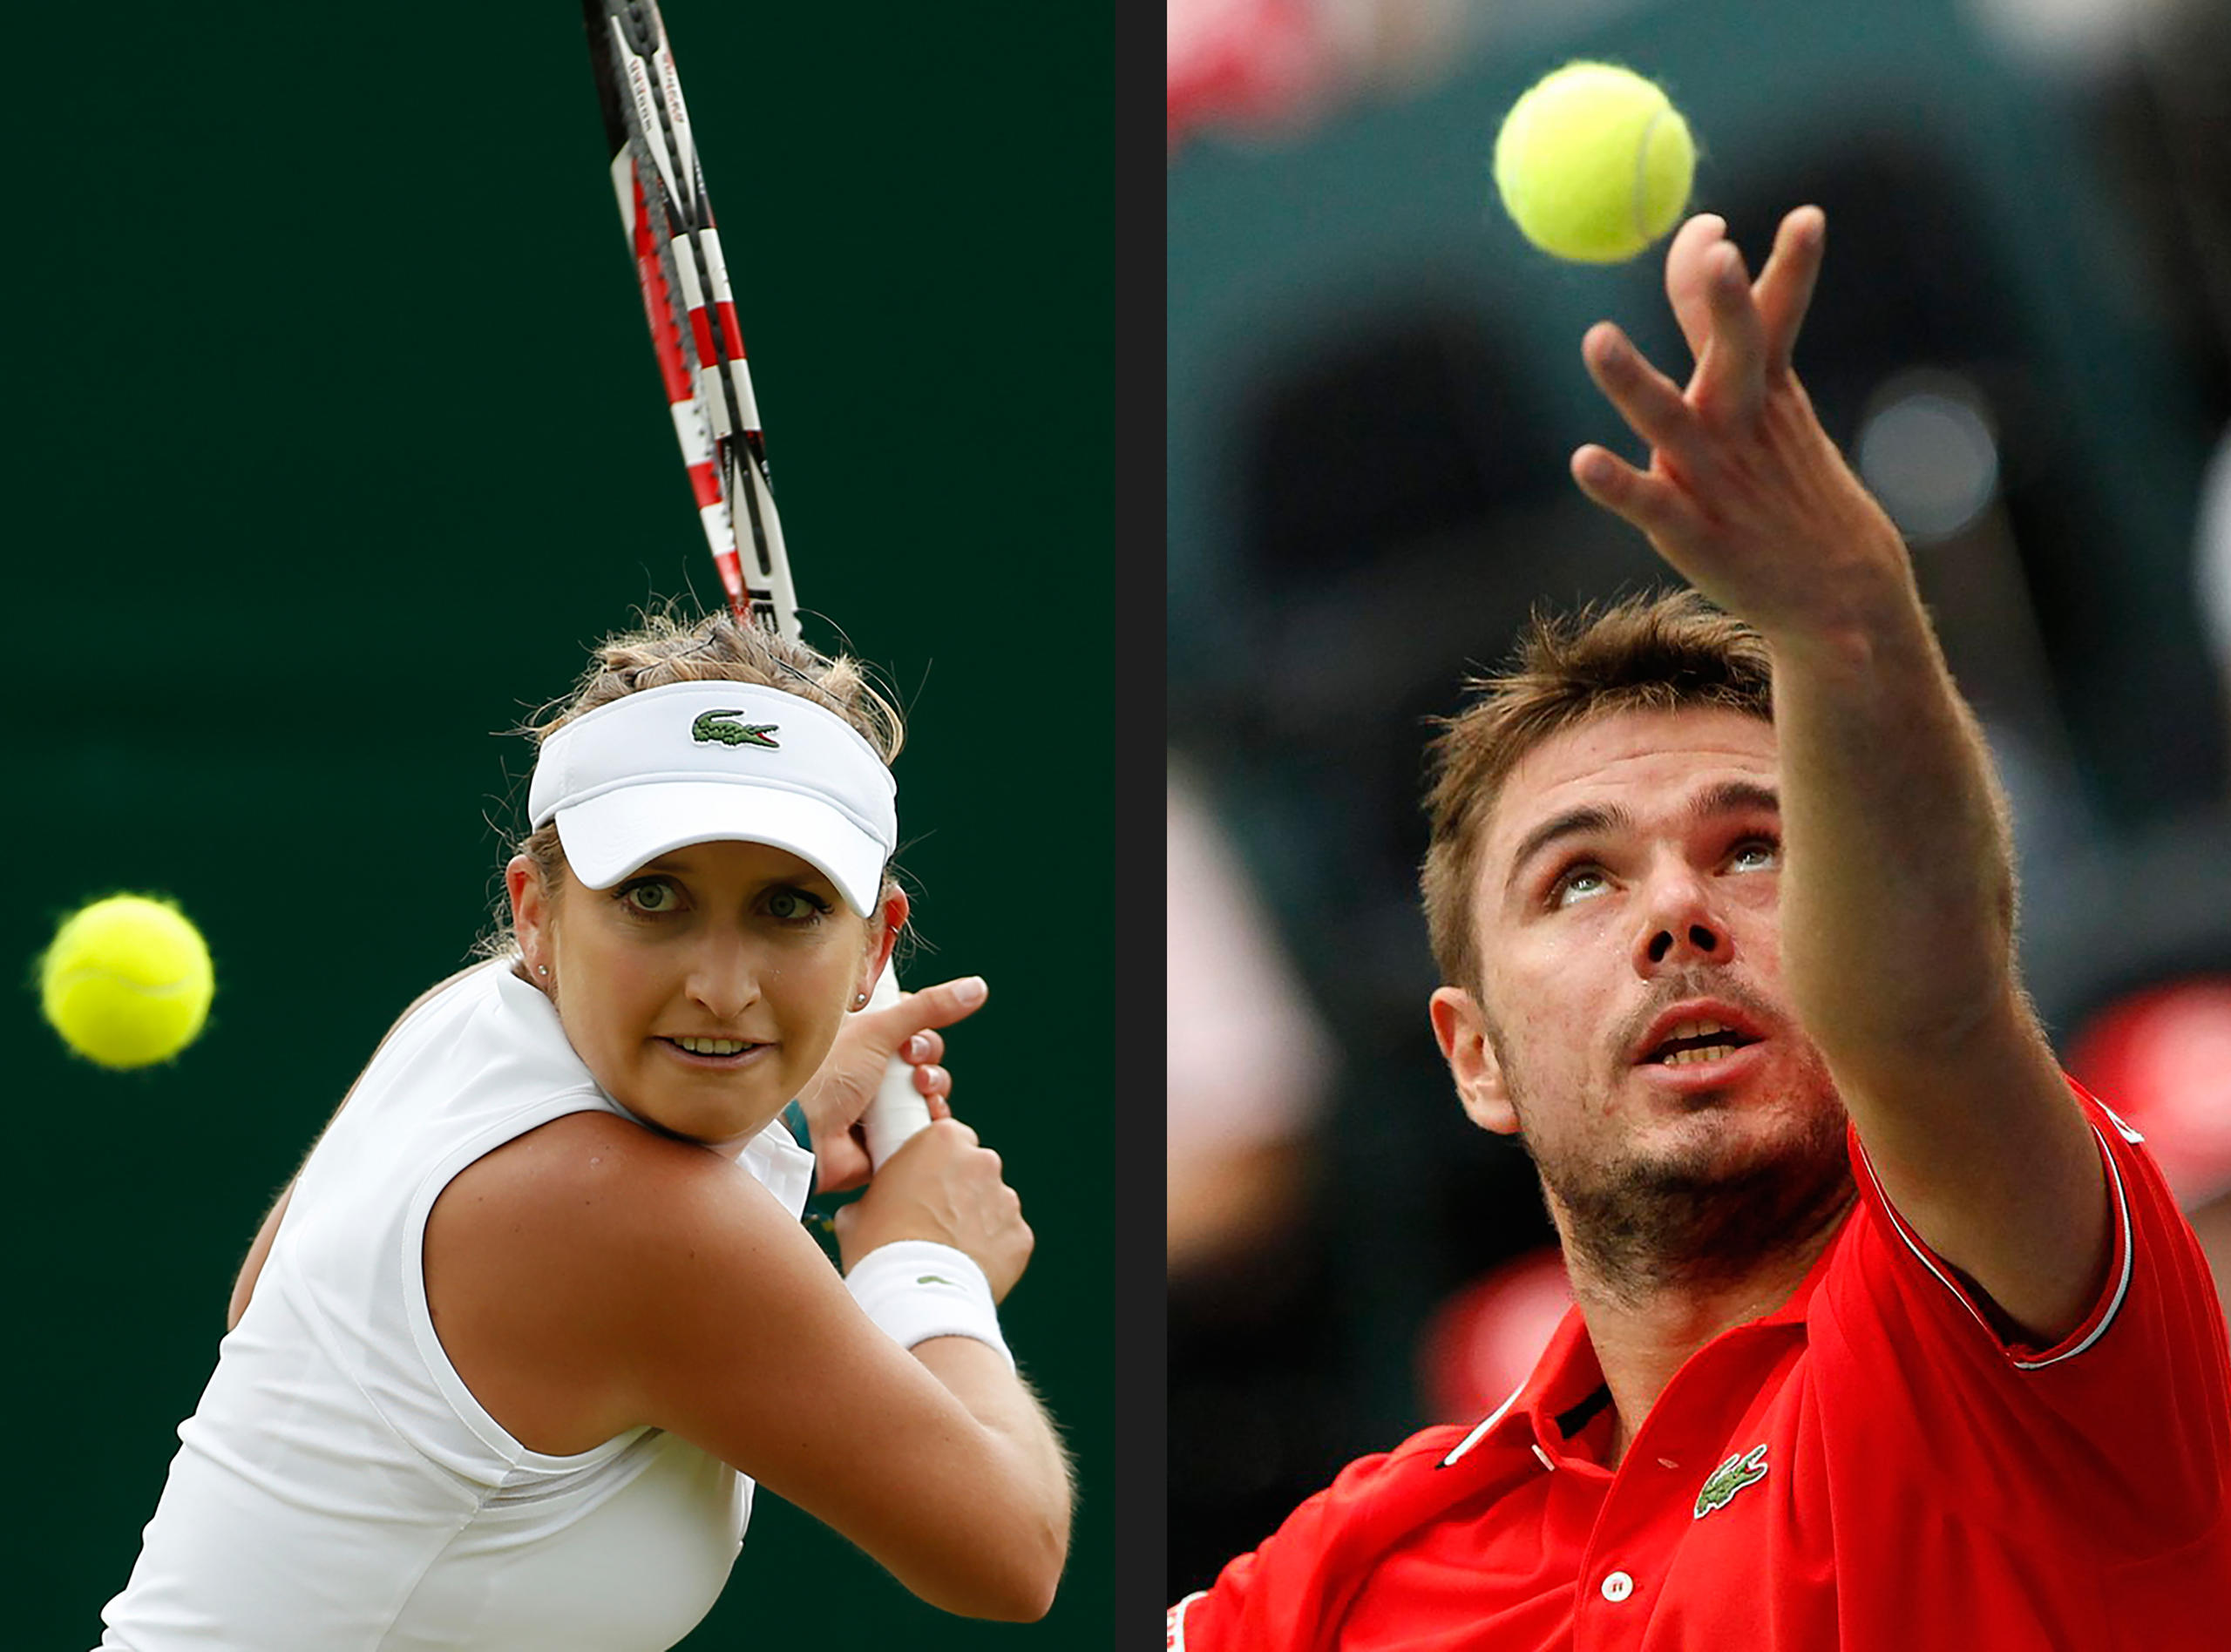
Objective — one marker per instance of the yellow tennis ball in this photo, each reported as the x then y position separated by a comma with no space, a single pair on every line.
127,981
1594,163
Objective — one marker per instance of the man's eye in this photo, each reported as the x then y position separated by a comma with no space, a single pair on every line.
1579,884
1759,854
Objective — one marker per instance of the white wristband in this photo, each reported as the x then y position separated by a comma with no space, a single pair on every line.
914,1290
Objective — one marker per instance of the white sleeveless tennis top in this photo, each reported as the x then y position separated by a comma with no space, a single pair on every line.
339,1487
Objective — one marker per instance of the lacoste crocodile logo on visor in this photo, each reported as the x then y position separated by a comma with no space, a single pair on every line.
712,726
1744,1468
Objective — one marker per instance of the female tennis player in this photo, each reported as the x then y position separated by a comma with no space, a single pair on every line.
512,1351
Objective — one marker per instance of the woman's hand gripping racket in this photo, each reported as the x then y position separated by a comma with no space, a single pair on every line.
685,283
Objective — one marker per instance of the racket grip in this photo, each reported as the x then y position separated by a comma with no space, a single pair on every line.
899,1109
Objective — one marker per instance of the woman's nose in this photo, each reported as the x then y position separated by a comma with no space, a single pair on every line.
724,978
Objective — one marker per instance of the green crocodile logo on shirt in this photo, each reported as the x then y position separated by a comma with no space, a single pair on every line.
711,727
1744,1468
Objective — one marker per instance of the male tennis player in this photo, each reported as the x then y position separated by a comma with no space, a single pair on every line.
1887,1337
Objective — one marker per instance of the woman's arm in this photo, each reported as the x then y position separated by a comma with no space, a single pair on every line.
1009,1409
593,1275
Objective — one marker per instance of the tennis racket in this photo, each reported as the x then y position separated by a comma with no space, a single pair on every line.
684,279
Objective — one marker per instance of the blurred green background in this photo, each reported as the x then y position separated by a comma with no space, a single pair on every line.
334,437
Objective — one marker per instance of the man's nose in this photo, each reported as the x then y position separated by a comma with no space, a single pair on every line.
1681,926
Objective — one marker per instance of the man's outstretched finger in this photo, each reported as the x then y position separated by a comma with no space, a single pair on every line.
1685,279
1730,380
1649,502
1784,290
1651,402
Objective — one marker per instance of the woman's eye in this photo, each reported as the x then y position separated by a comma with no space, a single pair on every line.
654,895
1580,883
794,905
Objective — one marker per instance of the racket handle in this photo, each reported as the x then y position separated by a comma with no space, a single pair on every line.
899,1109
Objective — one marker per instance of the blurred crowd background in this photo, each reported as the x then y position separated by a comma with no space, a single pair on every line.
2022,338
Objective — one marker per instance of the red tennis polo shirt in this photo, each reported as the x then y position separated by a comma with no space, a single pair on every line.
1869,1468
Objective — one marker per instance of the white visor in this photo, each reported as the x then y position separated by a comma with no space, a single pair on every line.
701,762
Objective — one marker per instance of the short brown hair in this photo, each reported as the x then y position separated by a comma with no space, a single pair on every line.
671,647
1659,651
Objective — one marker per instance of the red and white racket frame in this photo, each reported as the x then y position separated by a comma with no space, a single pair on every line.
683,276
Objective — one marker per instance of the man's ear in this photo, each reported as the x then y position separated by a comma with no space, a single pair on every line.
1462,1031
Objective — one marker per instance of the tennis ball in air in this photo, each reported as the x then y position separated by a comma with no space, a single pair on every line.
1594,163
127,981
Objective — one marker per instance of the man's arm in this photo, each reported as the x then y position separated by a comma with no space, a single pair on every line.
1897,895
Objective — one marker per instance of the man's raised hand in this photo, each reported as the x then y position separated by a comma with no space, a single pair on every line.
1745,495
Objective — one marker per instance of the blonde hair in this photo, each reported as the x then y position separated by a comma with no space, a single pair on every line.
1659,651
671,647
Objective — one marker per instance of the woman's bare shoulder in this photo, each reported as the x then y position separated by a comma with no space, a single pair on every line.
543,1257
590,1172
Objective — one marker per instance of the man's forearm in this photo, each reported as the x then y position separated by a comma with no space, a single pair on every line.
1897,890
1898,885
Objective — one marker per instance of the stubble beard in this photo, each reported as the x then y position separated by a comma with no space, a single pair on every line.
1635,1225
